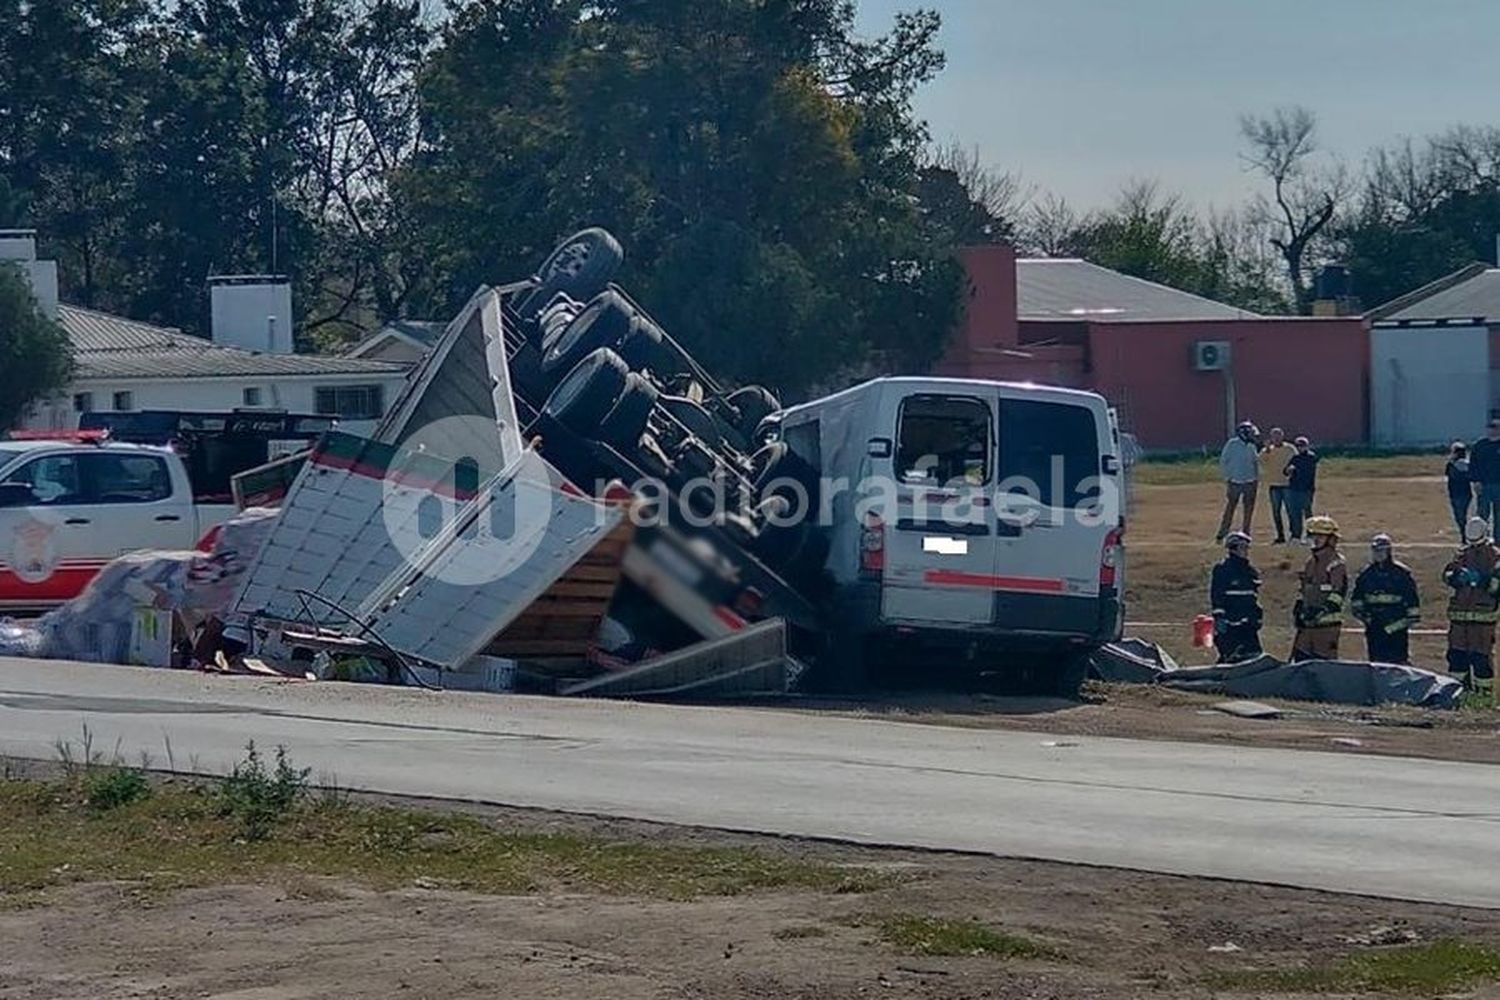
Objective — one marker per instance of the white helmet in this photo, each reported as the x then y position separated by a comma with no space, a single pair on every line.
1477,530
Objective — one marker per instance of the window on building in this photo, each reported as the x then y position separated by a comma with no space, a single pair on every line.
83,402
112,477
943,440
350,402
124,400
251,395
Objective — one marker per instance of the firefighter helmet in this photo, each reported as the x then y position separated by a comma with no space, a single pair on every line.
1322,524
1236,538
1381,541
1477,530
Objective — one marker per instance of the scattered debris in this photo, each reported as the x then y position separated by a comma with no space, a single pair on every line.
1346,741
1248,709
1384,936
1227,948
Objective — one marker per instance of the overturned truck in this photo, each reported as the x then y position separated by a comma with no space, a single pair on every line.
948,523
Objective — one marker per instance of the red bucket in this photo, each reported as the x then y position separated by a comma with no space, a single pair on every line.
1203,630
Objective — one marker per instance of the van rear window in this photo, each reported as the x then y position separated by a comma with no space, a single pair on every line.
943,440
1054,446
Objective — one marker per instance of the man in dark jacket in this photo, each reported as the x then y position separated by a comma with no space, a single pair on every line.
1234,593
1484,471
1385,600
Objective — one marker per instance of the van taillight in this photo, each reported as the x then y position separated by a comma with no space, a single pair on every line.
1109,558
872,547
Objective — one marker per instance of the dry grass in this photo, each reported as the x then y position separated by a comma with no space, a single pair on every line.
1175,511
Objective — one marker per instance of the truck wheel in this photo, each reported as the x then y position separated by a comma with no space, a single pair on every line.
753,403
625,422
588,392
699,422
641,346
581,265
604,322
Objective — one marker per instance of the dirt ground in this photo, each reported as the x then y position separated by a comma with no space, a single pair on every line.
1143,712
1174,512
1105,933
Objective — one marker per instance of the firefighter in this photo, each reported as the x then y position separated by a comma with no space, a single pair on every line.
1474,575
1319,611
1234,593
1385,600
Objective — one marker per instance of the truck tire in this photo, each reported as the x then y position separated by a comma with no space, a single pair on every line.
581,265
753,403
699,422
588,392
604,322
625,422
641,347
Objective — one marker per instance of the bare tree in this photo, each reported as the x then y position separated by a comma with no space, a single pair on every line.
1001,193
1051,227
1304,195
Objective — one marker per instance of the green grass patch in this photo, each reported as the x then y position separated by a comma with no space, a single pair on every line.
1424,969
939,936
187,835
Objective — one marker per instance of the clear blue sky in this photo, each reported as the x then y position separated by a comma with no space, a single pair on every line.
1081,95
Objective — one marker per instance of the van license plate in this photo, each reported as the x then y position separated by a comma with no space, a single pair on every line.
944,546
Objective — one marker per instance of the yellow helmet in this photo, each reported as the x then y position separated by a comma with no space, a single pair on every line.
1322,524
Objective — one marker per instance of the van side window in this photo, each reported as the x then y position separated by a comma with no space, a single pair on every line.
943,440
1052,445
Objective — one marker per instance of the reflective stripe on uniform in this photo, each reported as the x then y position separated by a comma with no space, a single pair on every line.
1482,617
1239,593
1381,599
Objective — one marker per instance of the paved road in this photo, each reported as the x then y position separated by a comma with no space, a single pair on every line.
1415,829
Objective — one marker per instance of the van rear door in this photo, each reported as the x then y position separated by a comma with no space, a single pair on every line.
1052,512
940,538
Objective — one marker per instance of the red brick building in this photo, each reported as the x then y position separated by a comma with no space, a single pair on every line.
1156,353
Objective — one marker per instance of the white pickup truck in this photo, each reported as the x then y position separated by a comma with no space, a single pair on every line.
69,507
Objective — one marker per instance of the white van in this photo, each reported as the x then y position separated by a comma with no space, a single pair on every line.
967,523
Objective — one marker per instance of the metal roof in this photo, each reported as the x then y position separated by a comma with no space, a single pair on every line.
112,347
1475,296
1067,288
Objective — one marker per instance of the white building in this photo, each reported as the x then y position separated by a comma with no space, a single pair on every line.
122,364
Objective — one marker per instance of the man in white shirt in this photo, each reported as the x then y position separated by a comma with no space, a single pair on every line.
1240,464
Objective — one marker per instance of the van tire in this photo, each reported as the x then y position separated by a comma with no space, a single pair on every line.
588,392
1068,679
626,421
604,322
580,265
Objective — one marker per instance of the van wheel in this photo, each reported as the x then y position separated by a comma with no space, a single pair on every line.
604,322
581,265
588,392
1067,681
841,666
625,422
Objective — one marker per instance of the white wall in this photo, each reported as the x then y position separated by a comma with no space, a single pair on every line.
1428,385
295,395
254,315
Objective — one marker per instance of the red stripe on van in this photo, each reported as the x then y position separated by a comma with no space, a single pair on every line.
955,578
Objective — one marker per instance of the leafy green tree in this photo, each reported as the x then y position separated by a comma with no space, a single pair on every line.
760,163
34,351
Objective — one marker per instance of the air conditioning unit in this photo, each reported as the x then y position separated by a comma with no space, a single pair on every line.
1210,355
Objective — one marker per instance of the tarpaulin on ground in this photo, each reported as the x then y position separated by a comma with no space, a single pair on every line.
1343,682
125,614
